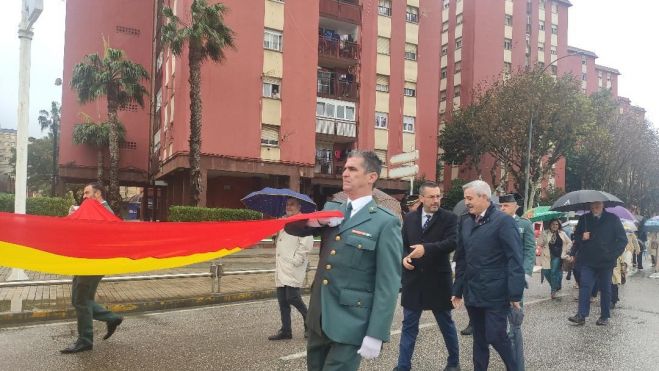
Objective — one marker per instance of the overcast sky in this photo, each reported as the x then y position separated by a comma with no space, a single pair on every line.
620,33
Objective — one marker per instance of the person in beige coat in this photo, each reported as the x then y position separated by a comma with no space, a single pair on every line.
555,246
290,270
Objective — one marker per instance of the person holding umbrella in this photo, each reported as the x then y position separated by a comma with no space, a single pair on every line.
290,271
600,239
555,246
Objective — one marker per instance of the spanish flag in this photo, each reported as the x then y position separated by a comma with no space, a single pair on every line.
92,241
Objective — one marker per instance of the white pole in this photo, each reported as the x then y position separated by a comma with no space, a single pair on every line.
25,36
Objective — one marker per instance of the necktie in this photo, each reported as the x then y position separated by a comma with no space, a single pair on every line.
348,212
427,222
477,219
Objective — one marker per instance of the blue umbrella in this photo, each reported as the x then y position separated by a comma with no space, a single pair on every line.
272,201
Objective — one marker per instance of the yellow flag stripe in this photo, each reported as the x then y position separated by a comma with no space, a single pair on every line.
18,256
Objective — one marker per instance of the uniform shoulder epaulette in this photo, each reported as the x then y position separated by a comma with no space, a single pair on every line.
386,210
334,202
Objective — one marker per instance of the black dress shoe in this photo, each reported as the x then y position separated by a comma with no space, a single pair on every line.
577,319
452,368
467,330
77,348
112,327
602,322
281,336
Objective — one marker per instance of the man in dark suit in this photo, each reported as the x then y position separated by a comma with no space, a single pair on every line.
429,235
489,275
354,293
599,240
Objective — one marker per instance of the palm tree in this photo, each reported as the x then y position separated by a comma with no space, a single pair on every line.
206,36
119,80
97,136
51,121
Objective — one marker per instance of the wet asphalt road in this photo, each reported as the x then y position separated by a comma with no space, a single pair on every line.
234,337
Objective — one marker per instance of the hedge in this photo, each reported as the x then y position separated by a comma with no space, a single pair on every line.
203,214
49,206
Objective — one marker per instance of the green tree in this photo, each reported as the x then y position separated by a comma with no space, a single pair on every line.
39,164
120,81
50,120
97,136
206,36
454,194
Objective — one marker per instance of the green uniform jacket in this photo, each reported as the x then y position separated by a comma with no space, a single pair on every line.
525,228
356,286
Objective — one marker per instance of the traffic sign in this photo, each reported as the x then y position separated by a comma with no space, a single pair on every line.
404,157
403,172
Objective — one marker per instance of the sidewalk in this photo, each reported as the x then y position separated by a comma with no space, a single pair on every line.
53,302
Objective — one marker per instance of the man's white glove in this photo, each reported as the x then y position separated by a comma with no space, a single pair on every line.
329,222
527,278
370,348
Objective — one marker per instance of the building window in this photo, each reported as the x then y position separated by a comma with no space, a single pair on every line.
508,20
554,29
541,47
541,64
542,25
128,145
444,49
458,19
412,14
444,26
384,8
382,83
383,45
584,77
410,89
272,40
128,30
554,70
270,135
457,67
344,112
553,51
381,119
271,88
410,51
408,124
508,44
507,68
446,4
554,7
443,72
458,43
456,91
442,95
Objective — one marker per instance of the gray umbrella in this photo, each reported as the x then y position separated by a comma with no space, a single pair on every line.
580,200
460,208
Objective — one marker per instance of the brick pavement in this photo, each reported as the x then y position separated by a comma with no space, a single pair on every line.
131,293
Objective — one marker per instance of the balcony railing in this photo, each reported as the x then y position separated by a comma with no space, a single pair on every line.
338,49
345,10
336,127
334,88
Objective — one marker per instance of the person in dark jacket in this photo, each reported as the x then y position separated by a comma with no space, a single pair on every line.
489,273
599,240
429,235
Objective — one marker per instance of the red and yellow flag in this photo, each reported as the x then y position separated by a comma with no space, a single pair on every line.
76,245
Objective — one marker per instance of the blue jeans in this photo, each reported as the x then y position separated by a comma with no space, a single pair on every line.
515,319
411,330
589,278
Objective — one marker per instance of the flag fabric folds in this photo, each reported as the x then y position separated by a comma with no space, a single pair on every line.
92,241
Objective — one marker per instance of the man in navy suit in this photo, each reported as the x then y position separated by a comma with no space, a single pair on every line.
489,275
429,235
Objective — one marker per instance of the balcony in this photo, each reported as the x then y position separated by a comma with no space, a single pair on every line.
343,10
347,130
337,53
331,87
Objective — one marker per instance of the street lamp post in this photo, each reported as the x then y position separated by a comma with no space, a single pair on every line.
527,172
30,12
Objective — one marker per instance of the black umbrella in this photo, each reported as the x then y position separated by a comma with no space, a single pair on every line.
580,200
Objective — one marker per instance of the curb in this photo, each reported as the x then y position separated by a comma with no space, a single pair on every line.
26,317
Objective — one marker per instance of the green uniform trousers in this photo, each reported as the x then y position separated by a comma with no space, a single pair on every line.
325,355
83,292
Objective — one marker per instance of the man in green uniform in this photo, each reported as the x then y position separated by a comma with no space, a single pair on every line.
83,291
509,206
355,290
